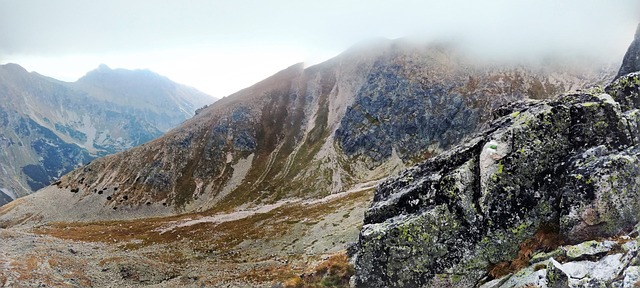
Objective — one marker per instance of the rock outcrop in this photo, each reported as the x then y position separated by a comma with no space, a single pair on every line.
545,173
631,62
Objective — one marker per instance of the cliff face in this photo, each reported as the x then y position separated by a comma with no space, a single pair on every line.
311,132
547,196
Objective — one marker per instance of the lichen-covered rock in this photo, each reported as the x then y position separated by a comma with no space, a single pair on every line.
556,278
569,166
589,248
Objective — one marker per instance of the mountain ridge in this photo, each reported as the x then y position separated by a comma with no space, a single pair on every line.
41,115
310,132
258,188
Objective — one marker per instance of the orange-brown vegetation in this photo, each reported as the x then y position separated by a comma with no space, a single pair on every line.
546,239
33,268
334,272
219,243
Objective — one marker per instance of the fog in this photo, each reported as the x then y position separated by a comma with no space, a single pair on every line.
210,44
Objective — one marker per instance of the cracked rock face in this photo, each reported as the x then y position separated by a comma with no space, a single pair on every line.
568,165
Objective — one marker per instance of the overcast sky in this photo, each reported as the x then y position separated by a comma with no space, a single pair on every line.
220,46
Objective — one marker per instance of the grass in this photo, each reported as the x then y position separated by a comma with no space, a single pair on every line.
334,272
546,239
215,242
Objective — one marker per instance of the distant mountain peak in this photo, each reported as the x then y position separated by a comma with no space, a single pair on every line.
13,67
54,126
103,68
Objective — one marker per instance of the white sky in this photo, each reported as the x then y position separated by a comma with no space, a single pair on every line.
220,46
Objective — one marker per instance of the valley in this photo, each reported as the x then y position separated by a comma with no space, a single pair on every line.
268,186
254,247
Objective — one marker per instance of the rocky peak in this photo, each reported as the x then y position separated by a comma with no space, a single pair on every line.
631,61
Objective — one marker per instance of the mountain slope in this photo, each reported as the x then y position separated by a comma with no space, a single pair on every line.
49,127
544,174
309,132
546,196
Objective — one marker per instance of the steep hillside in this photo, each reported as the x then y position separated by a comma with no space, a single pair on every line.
546,196
308,132
49,127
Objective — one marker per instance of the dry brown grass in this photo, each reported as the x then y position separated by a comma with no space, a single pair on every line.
334,272
182,244
35,269
269,274
546,239
73,269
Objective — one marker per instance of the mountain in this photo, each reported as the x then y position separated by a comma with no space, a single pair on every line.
268,183
545,173
312,132
546,196
49,127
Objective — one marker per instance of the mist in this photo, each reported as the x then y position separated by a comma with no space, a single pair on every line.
41,31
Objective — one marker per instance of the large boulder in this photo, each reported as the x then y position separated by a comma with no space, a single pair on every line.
545,173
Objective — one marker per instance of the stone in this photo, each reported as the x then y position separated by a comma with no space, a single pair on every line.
631,62
588,248
556,278
569,164
631,276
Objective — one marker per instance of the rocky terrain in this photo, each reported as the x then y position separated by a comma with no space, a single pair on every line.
308,133
546,196
244,248
49,127
269,186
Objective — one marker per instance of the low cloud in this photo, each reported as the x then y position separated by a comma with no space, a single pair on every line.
63,29
76,26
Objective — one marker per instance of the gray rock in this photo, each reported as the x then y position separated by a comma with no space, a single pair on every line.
588,248
631,276
556,278
568,165
631,62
